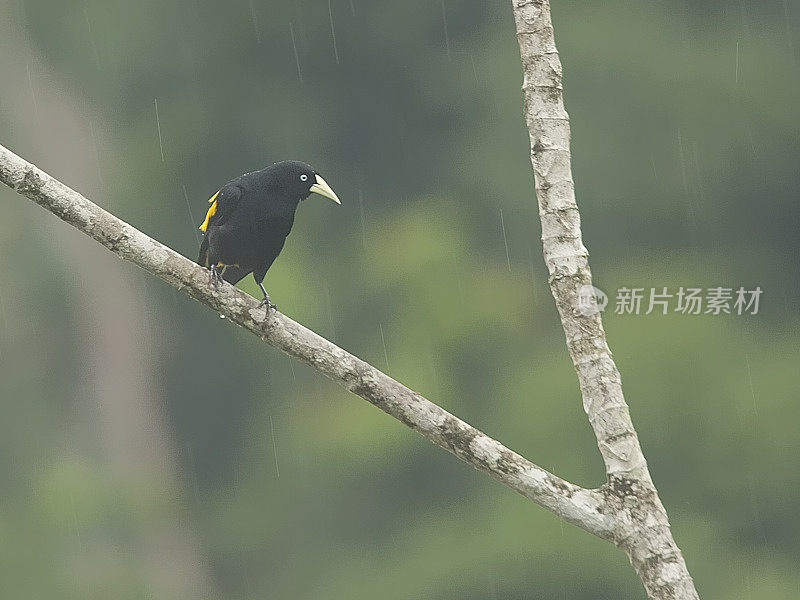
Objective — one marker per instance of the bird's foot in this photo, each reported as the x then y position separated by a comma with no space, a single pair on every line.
267,303
215,278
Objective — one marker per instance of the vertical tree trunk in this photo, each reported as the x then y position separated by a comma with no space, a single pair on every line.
642,527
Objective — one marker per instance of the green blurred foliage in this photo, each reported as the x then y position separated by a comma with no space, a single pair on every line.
685,137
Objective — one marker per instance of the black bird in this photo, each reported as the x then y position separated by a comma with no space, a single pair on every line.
250,217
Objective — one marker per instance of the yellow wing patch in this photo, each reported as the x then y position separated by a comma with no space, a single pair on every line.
212,210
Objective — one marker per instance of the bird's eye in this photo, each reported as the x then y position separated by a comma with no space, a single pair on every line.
303,177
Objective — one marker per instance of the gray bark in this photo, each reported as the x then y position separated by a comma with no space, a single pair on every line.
642,528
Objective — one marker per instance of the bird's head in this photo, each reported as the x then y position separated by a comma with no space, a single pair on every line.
300,180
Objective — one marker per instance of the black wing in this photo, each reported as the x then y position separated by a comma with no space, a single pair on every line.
223,204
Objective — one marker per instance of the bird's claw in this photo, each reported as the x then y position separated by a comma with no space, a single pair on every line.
214,278
268,304
265,301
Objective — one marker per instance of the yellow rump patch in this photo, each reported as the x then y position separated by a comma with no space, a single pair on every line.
212,210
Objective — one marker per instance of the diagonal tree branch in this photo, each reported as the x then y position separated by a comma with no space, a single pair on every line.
584,508
644,531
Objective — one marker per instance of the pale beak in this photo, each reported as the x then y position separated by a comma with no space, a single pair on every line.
323,189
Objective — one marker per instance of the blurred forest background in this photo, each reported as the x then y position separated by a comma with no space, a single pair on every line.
149,449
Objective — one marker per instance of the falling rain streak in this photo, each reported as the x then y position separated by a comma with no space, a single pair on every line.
533,274
75,523
683,164
363,226
446,35
91,38
3,311
329,305
437,386
5,320
296,55
492,587
787,21
333,33
757,521
505,239
474,70
655,171
158,124
697,173
191,216
274,447
192,470
33,94
255,22
383,341
752,387
689,198
96,155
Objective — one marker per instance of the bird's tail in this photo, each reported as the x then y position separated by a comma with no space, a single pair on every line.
202,257
230,274
234,274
